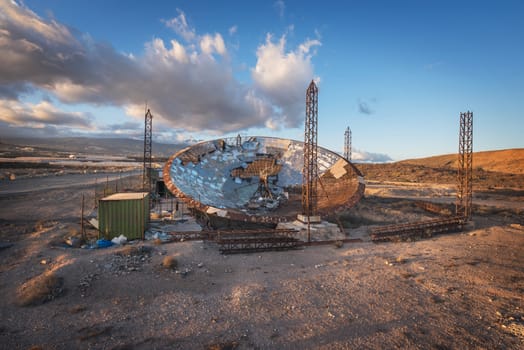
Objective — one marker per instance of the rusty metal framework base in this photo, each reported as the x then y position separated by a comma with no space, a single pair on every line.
420,229
248,241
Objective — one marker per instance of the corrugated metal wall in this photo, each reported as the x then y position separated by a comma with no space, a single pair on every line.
126,217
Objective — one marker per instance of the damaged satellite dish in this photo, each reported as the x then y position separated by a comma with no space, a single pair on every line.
258,179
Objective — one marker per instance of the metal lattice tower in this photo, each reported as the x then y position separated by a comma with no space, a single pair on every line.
465,166
239,141
310,169
347,144
148,148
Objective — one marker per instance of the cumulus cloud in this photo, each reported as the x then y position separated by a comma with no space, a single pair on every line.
189,86
41,114
283,77
180,26
211,44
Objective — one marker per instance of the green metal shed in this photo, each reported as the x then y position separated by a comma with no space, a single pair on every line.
123,214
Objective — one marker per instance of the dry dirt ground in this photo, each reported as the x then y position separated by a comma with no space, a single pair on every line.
462,290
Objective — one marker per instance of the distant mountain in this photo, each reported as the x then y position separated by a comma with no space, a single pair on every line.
509,161
107,146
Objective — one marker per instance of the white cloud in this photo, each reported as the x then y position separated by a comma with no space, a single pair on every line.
20,16
180,26
233,30
186,87
280,6
179,52
284,75
40,115
361,156
210,44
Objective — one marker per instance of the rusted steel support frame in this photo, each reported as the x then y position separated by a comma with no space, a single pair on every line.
187,236
256,240
465,166
148,152
347,144
417,228
244,246
419,224
431,207
310,168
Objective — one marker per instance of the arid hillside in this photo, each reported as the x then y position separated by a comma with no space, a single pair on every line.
491,170
509,161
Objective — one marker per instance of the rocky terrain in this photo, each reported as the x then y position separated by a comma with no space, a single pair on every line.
461,290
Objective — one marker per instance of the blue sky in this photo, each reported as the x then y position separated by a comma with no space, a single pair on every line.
398,73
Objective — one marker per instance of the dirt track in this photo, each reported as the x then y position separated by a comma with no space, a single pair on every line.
29,185
452,291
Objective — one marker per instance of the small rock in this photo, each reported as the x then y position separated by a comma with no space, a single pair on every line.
275,333
200,265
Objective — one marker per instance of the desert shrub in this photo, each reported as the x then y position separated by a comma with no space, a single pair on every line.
170,262
131,250
223,346
128,250
39,225
401,260
39,289
355,221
